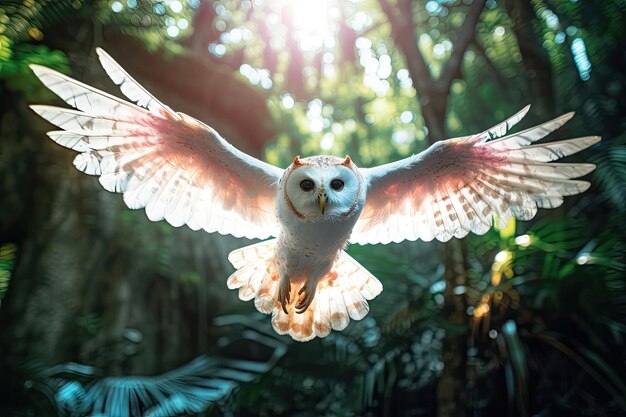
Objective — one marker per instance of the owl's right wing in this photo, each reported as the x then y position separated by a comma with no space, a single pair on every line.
459,185
178,168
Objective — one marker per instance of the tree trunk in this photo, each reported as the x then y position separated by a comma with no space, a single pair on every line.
433,96
451,389
535,59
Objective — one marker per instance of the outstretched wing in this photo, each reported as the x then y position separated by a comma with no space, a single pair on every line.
178,168
458,185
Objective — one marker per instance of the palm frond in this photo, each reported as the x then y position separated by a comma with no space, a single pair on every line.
516,369
611,173
192,388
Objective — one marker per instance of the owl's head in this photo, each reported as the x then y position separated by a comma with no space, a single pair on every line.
322,188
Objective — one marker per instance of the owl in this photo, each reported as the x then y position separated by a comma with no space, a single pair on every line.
183,171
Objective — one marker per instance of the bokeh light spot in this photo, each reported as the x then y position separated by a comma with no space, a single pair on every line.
579,52
327,141
173,31
176,6
287,101
406,117
117,7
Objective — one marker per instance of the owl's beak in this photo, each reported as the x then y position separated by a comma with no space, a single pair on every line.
322,201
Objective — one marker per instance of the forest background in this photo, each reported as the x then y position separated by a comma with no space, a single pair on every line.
105,313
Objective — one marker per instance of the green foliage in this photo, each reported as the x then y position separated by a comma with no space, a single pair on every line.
8,253
611,172
148,20
16,69
22,21
75,390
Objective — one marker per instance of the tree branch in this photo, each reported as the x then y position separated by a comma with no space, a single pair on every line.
483,54
535,59
464,36
432,93
403,33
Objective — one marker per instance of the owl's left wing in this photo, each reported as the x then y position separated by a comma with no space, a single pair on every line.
178,168
458,185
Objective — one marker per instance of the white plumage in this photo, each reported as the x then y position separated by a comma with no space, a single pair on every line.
181,170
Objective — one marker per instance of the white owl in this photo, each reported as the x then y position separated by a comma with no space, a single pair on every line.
183,171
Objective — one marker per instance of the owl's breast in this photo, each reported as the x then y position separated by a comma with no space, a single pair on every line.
308,250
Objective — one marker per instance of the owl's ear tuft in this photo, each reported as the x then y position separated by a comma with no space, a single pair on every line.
297,162
347,162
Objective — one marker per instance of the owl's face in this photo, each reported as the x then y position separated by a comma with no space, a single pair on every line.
322,188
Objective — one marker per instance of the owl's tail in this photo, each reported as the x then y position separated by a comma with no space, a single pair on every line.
341,295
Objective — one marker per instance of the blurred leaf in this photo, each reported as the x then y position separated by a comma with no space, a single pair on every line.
22,79
598,374
8,255
516,369
191,388
611,172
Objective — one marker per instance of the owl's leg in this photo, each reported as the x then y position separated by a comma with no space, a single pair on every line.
284,289
309,288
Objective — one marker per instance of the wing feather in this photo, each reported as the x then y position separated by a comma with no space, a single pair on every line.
129,87
174,166
82,96
532,134
460,185
501,128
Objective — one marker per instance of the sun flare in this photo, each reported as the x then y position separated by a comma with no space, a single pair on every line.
311,20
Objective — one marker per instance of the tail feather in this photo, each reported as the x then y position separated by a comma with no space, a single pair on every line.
256,276
339,317
252,275
300,326
356,304
340,296
321,317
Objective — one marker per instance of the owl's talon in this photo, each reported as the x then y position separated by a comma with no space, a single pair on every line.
305,302
283,293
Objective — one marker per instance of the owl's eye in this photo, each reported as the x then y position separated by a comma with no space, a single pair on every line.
336,184
307,185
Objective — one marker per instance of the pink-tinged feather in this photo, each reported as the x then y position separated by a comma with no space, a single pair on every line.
341,295
176,167
459,185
